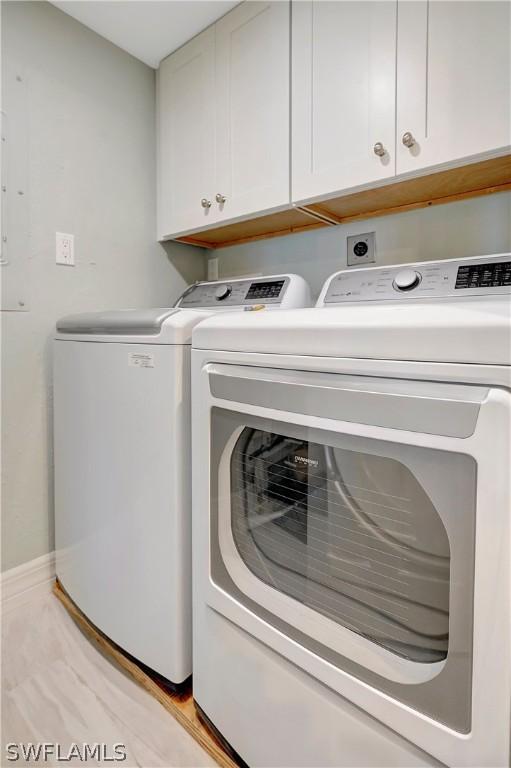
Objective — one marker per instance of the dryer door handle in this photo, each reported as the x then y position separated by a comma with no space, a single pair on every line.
416,406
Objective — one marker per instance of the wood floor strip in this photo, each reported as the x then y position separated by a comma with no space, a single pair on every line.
180,705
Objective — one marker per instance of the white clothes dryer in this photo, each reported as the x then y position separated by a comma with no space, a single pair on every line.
352,521
123,464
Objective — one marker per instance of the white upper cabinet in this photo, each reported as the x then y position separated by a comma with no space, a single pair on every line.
252,108
380,90
453,84
223,102
343,95
186,137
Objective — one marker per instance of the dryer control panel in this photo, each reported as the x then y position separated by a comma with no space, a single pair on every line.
273,291
474,276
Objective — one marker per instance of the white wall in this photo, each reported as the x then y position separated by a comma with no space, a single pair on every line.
469,228
80,146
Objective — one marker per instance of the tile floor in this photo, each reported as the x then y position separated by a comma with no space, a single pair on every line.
57,687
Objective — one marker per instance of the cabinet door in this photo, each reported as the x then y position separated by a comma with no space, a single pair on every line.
252,118
343,94
186,131
454,83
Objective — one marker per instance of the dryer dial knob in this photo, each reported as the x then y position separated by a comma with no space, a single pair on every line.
222,292
407,279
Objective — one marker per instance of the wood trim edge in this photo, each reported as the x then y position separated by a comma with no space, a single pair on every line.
437,187
326,218
427,203
316,223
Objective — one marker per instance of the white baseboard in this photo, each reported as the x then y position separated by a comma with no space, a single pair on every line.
26,581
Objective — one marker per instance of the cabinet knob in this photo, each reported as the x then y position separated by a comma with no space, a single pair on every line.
379,149
220,198
408,140
205,203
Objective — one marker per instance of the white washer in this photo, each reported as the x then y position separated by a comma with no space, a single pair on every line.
351,521
123,464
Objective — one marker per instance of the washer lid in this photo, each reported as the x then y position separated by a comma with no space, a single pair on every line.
121,322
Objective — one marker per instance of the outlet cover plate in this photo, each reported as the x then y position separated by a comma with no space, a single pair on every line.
64,249
361,249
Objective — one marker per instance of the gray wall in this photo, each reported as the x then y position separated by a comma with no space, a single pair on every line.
469,228
81,147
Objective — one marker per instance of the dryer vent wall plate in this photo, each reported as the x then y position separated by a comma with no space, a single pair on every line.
361,249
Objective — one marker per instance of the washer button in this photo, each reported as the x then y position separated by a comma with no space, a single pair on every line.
222,292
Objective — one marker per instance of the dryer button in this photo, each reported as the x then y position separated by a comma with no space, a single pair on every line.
406,279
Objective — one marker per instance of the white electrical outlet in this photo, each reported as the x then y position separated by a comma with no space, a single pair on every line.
65,249
361,249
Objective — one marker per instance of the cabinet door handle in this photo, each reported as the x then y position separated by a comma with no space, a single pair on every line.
408,140
205,203
220,198
379,149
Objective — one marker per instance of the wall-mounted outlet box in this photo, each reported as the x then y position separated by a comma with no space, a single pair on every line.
361,249
64,249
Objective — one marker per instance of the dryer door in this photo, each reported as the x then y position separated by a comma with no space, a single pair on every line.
351,533
343,517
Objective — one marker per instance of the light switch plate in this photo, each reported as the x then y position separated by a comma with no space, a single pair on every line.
64,249
361,249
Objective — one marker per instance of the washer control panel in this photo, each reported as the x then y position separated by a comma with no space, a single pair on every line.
474,276
236,293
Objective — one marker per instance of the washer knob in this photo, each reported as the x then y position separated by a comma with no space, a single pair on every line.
222,292
406,279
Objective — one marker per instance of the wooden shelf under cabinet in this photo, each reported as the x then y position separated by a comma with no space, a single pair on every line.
473,180
271,225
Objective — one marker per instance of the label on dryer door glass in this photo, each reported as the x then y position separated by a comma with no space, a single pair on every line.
141,359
